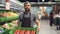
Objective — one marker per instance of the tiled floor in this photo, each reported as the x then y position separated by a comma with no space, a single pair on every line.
46,29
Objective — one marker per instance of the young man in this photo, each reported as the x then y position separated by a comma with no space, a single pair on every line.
28,18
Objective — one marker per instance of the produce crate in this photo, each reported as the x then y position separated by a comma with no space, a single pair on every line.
20,30
25,30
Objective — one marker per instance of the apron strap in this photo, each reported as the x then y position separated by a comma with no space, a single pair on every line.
24,20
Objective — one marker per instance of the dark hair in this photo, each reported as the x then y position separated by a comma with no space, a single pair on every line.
27,2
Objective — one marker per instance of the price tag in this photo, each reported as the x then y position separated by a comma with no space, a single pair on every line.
7,5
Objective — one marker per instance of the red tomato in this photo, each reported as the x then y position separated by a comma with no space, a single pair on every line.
27,32
22,31
17,32
32,32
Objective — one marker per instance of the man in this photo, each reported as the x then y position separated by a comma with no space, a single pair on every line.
27,18
51,18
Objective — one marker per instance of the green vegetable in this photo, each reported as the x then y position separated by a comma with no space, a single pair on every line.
9,24
11,32
6,32
8,19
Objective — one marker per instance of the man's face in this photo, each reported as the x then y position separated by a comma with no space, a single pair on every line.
27,7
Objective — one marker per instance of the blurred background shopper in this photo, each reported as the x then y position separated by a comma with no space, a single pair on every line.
51,18
57,20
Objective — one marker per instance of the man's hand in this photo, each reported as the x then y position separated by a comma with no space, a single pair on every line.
38,29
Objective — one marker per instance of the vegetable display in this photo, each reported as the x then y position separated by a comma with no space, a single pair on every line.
6,16
9,20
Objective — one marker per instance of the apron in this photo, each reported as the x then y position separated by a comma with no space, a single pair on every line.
26,22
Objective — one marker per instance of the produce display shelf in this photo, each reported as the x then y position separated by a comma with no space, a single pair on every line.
5,16
7,11
7,19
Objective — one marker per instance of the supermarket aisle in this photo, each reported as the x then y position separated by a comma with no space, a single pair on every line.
46,29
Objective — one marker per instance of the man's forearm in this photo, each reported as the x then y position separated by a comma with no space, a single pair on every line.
38,23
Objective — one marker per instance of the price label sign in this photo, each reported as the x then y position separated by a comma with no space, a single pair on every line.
7,5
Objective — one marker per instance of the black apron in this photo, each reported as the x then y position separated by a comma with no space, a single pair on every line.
26,22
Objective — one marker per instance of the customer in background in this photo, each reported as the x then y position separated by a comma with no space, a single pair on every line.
51,18
57,19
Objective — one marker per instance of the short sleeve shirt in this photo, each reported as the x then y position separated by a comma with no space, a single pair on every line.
33,18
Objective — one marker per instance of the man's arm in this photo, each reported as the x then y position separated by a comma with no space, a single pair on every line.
19,19
38,24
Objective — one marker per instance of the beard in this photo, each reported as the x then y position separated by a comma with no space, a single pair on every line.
27,10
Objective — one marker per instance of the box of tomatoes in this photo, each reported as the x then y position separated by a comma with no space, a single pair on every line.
25,30
19,30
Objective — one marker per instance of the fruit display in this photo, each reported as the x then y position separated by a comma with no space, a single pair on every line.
7,16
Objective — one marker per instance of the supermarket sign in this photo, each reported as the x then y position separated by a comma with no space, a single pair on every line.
7,5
